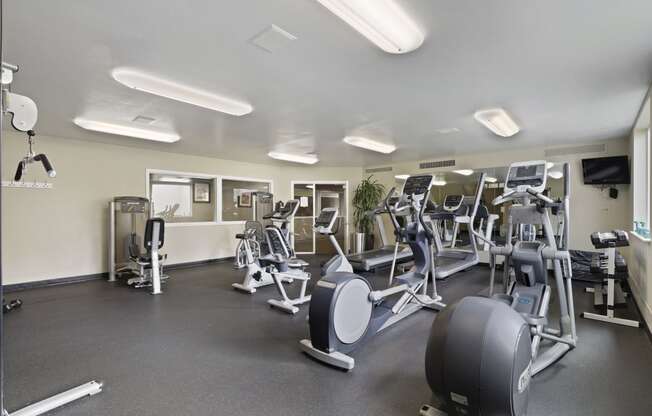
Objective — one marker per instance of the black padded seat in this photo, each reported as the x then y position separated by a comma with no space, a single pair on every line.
240,236
148,259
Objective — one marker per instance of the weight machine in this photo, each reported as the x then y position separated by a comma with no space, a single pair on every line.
24,113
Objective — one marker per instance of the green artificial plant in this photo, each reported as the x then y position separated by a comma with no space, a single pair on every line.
366,197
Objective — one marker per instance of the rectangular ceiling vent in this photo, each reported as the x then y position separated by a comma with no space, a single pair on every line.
144,120
377,170
437,164
589,148
273,39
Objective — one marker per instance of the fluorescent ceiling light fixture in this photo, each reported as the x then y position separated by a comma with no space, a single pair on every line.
179,92
174,179
549,165
369,144
439,182
465,172
490,179
289,157
556,174
383,22
498,121
402,177
129,131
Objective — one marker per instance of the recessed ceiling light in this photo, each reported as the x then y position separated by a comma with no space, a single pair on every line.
439,182
383,22
169,89
490,179
289,157
129,131
465,172
402,177
498,121
369,144
555,174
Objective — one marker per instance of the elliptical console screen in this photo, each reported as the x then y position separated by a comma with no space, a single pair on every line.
325,217
532,175
417,185
453,202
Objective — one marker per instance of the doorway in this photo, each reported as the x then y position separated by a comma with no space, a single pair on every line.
313,197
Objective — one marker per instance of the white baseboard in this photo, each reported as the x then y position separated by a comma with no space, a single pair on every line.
643,306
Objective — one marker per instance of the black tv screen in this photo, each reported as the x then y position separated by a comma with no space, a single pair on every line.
606,170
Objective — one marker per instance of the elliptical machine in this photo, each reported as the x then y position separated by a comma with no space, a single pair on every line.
483,351
325,225
345,311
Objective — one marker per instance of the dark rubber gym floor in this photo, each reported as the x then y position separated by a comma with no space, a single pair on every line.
203,349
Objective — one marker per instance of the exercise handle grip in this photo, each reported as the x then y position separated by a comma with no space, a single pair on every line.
46,164
19,171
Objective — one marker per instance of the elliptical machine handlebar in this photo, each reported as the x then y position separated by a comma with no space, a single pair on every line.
540,196
390,211
501,199
429,234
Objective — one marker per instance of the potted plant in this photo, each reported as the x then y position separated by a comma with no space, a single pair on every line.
366,197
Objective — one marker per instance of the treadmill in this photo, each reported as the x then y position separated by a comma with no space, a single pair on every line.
382,257
459,210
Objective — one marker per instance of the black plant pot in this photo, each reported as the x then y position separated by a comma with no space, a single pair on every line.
369,241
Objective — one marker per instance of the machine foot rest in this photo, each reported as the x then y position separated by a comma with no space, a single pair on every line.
336,359
243,288
610,319
427,410
288,306
89,389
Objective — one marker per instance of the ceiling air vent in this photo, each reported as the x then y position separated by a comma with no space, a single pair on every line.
437,164
377,170
272,39
144,120
589,148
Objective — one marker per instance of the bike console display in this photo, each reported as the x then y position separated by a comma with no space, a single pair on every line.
526,175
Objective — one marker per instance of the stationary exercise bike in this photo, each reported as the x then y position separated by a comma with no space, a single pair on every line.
252,237
256,244
324,225
482,351
280,265
345,311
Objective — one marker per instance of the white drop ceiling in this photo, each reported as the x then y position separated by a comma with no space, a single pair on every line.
567,71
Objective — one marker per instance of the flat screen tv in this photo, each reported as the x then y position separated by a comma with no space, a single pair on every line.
606,170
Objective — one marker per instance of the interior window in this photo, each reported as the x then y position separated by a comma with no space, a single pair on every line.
641,188
179,198
237,198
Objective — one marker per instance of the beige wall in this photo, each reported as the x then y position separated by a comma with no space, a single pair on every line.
639,256
62,232
591,208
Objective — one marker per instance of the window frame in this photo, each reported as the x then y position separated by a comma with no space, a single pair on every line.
644,134
219,195
213,178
